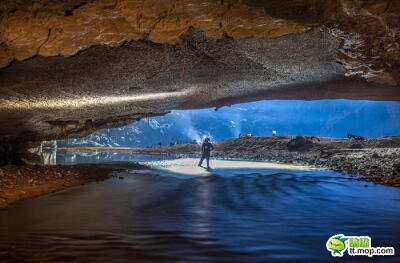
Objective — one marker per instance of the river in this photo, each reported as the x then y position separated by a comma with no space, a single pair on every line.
229,215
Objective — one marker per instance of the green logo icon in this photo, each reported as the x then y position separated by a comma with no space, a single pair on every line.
337,245
355,246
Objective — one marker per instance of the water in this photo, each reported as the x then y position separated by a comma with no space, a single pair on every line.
232,215
53,157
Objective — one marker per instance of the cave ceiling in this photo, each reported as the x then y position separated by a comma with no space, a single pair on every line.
68,68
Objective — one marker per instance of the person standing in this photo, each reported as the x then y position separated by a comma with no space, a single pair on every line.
206,149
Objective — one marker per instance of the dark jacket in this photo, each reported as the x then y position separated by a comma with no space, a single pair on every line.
206,148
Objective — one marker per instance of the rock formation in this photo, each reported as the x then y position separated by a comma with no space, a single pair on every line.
71,67
368,30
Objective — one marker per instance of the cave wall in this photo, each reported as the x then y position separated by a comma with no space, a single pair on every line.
68,68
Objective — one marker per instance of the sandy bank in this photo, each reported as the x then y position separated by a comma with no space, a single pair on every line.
189,166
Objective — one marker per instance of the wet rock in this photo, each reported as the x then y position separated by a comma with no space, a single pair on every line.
299,143
325,154
356,146
396,169
375,155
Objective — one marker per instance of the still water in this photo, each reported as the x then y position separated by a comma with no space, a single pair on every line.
63,157
232,215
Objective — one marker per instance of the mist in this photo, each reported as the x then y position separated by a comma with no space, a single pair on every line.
326,118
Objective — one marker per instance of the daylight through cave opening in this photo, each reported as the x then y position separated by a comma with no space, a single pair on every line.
203,124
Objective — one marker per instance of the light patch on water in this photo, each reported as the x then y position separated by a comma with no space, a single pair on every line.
189,166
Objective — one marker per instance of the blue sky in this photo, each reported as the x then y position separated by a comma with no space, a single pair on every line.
330,118
327,118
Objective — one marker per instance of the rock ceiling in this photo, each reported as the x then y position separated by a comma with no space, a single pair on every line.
368,31
70,67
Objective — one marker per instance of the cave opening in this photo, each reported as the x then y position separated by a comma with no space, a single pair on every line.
199,130
176,133
324,118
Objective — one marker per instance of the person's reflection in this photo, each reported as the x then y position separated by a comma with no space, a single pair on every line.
48,156
202,207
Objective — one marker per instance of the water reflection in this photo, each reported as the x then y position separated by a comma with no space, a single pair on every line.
47,152
236,215
49,156
63,157
202,208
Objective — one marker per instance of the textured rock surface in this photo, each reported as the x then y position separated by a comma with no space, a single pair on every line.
56,97
55,29
368,31
71,67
